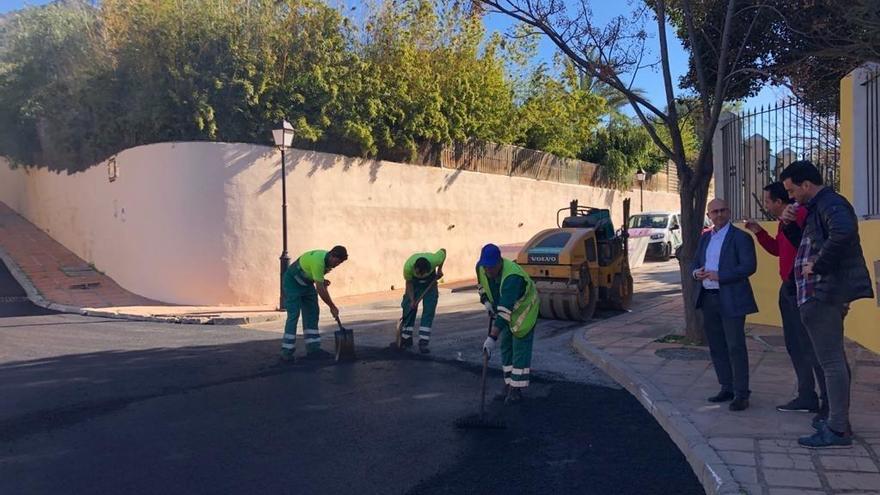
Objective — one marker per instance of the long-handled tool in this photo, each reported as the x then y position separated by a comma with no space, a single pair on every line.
481,422
399,342
344,338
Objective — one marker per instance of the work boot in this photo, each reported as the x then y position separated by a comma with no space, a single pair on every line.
503,395
288,357
423,347
319,355
406,342
514,396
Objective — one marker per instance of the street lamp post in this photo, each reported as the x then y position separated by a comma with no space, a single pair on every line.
640,176
283,137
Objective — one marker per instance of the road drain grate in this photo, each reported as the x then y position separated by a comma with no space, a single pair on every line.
78,270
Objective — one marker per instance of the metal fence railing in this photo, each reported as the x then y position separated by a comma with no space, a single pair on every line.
514,161
757,145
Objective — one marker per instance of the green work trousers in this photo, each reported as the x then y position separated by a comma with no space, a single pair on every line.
516,357
303,299
429,308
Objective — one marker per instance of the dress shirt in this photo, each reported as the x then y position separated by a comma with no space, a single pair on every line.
713,254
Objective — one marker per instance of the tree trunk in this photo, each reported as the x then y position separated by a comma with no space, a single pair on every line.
693,196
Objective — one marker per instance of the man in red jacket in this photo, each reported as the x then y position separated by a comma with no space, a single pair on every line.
797,342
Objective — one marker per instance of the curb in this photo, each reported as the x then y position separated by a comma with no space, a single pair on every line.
33,294
711,471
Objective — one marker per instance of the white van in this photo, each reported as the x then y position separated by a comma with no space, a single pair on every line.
664,229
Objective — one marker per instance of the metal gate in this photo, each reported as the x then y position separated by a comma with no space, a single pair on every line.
757,145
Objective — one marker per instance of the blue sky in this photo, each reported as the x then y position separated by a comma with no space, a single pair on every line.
650,80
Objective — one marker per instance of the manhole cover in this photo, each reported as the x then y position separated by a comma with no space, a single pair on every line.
78,271
683,354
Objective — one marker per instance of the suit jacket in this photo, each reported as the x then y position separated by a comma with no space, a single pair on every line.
736,264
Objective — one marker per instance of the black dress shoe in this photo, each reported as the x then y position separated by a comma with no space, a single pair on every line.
721,397
739,404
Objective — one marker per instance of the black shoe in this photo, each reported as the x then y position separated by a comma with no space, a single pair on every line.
514,396
502,395
739,404
423,347
288,357
406,342
721,397
319,355
799,405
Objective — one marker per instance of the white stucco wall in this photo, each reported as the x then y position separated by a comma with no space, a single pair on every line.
200,223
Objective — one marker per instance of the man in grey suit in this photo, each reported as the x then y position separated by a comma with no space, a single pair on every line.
725,259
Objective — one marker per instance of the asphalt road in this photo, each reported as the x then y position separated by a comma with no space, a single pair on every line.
91,405
13,299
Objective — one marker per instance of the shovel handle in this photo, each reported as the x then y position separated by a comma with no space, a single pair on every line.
483,378
483,385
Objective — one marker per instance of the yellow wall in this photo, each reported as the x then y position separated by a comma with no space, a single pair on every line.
863,321
765,284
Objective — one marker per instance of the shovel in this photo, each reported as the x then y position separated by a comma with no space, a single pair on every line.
344,343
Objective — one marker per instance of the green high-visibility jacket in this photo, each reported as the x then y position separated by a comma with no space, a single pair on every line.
516,306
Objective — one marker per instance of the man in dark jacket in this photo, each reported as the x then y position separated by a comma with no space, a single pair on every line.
797,342
830,272
725,259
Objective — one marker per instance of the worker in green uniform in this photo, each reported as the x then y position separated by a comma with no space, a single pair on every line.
303,283
510,296
421,271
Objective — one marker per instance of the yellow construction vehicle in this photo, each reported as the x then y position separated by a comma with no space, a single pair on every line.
580,265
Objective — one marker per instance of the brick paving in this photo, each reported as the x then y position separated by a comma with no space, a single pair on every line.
58,275
754,451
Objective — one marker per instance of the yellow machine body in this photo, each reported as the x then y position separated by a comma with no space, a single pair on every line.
576,269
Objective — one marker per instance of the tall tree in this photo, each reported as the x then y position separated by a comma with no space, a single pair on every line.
612,51
558,116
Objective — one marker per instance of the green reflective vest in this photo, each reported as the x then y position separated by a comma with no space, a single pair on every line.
524,313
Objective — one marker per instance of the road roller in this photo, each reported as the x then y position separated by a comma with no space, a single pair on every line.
581,264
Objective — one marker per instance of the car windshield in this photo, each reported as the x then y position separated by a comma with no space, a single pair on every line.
648,221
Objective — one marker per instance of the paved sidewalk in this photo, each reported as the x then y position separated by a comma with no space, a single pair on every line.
55,278
54,273
754,451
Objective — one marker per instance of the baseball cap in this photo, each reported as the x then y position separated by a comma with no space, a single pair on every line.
490,255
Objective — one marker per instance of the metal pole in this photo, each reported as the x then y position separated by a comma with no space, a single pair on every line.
285,259
641,196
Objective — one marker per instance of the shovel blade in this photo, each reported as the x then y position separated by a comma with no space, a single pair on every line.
344,345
